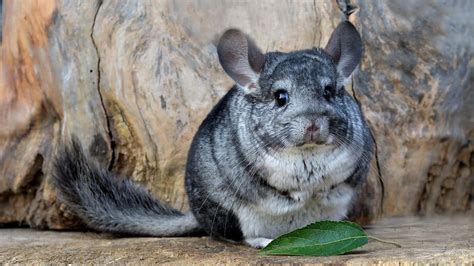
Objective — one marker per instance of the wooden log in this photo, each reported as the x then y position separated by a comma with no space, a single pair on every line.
133,80
415,87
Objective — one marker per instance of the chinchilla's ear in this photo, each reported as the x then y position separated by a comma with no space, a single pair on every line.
241,59
345,48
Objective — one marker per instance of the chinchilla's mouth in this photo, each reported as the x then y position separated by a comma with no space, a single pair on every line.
316,143
306,145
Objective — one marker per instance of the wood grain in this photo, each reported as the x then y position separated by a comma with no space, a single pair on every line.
435,240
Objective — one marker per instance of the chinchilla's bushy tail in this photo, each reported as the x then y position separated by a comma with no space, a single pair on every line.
108,204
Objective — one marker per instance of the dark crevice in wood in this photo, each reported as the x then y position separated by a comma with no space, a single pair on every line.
34,177
16,224
379,172
376,153
109,131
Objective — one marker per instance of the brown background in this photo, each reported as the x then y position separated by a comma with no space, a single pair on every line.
134,79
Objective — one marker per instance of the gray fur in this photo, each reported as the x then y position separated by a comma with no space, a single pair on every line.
108,204
253,172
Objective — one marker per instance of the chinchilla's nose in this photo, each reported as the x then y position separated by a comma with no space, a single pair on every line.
311,132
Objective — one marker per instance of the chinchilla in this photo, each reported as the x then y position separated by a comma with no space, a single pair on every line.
285,147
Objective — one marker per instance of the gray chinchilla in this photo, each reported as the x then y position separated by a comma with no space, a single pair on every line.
285,147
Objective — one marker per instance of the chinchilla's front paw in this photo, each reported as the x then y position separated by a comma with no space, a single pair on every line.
259,242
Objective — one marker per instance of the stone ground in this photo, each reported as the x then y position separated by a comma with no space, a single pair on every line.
427,240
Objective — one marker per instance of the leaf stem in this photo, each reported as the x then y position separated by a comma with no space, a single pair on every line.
384,241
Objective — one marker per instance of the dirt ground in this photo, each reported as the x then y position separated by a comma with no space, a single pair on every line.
427,240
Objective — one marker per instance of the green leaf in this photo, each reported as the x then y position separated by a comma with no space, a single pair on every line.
324,238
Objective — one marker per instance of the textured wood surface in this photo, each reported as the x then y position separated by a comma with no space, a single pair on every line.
415,87
440,240
134,80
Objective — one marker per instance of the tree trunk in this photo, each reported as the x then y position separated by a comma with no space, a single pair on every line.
133,80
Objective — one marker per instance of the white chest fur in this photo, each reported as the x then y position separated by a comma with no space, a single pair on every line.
308,178
310,170
256,222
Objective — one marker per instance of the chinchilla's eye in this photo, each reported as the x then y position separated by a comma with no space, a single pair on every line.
281,98
329,92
